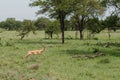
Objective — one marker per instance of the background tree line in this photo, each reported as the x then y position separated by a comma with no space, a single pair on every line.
77,15
94,25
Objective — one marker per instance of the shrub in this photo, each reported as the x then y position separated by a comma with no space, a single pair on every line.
104,61
95,38
6,43
95,50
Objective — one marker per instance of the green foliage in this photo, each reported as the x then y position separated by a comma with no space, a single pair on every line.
88,7
95,50
112,22
27,26
53,7
58,9
52,28
104,3
95,25
2,25
10,24
41,23
49,26
83,10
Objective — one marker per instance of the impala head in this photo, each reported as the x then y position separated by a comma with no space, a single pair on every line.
43,49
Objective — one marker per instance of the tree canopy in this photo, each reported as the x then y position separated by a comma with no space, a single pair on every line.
58,9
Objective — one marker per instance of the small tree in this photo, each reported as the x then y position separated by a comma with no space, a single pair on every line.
2,25
94,26
83,10
10,24
26,27
41,23
111,23
52,28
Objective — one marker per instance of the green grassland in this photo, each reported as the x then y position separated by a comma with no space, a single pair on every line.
57,62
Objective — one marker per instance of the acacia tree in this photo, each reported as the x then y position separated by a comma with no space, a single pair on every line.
94,26
10,24
56,8
41,23
26,27
83,10
52,28
111,23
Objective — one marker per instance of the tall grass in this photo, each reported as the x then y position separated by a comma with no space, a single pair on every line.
56,63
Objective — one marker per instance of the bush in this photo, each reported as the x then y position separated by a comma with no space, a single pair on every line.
95,50
95,38
6,43
104,61
9,44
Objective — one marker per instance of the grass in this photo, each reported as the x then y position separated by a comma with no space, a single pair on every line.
57,63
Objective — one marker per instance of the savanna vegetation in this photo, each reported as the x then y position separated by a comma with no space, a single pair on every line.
79,43
59,61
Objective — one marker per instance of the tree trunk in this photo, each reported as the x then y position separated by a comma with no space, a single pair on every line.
22,37
81,34
51,35
62,25
80,24
81,27
109,34
62,30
